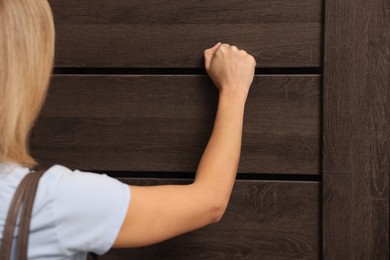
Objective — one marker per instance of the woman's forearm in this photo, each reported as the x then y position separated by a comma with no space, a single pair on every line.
218,167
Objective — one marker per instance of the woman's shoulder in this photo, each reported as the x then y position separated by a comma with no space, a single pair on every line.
9,171
64,174
69,202
59,181
11,174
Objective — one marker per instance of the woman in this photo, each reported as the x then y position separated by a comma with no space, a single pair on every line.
76,212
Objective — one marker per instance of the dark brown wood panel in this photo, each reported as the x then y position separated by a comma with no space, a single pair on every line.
187,12
162,123
264,220
121,33
356,154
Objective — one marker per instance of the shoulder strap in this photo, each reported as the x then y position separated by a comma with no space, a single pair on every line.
24,196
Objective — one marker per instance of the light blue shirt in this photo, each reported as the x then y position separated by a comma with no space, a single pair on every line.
74,212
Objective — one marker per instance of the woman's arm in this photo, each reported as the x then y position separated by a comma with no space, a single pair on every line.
157,213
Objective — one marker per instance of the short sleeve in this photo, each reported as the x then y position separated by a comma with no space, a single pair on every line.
89,210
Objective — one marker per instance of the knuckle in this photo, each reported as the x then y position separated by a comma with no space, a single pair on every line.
253,60
223,48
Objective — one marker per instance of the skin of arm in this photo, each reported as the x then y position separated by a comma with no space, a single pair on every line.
157,213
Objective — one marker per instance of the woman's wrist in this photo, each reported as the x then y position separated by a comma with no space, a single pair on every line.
236,96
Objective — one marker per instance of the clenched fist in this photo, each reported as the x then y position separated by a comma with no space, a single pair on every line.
230,69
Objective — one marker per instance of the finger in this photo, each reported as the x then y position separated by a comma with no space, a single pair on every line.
224,46
234,48
208,54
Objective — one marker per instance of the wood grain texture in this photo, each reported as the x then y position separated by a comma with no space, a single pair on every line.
356,155
139,33
264,220
163,123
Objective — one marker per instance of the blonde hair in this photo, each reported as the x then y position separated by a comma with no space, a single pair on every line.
26,60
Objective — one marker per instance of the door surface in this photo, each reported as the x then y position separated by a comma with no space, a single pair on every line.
130,98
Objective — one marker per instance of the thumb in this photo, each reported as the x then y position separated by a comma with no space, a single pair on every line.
208,54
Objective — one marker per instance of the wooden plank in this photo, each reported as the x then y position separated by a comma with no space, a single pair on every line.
121,33
187,12
264,220
163,123
356,155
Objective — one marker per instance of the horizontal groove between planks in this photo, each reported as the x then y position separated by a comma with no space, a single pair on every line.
178,71
191,175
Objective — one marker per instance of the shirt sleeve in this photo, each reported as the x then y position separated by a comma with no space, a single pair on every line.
89,210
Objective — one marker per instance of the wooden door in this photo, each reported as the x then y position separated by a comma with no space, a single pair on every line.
130,98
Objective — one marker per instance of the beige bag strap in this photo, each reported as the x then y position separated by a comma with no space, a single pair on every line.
23,197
